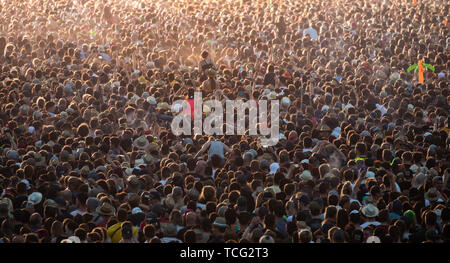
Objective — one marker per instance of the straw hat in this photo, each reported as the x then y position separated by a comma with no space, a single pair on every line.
178,147
432,194
39,159
323,127
153,147
105,210
141,142
272,95
163,106
206,109
370,211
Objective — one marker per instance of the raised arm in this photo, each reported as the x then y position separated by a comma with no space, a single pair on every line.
358,183
203,149
226,148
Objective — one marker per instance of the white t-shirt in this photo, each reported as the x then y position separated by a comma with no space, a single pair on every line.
366,224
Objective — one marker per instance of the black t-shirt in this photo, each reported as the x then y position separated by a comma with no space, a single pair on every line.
18,201
405,185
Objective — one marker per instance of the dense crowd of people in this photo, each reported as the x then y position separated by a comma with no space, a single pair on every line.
87,154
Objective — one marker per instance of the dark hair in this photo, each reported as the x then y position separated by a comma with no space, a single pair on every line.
149,231
342,218
83,130
31,238
127,230
230,216
80,233
190,236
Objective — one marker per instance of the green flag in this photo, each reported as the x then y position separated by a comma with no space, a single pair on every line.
428,66
412,67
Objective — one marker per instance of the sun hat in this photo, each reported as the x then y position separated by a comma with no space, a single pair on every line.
178,147
74,239
432,194
141,142
105,210
153,147
272,95
373,239
163,106
323,127
306,175
39,159
148,158
370,211
35,198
